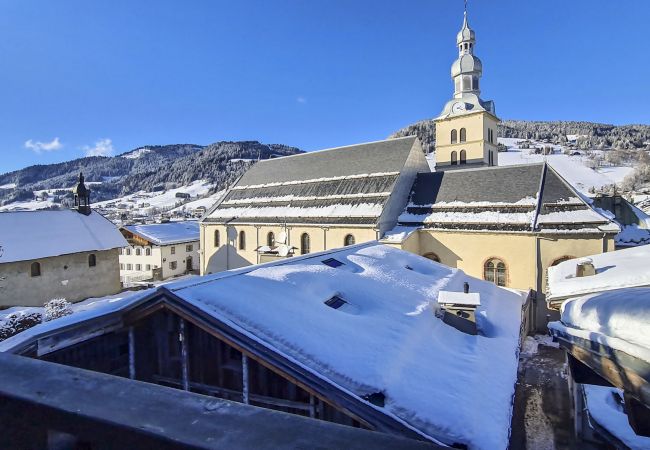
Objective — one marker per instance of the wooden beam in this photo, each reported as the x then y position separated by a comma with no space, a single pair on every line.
131,353
182,336
244,376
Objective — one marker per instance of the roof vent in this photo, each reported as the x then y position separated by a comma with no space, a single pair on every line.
585,268
331,262
459,309
335,302
376,398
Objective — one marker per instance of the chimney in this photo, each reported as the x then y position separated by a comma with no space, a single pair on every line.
585,268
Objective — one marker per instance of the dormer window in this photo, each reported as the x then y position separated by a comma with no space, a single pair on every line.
331,262
335,302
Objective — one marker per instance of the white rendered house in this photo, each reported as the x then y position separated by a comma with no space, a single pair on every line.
159,251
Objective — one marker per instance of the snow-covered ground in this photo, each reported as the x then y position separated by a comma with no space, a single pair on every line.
205,202
160,199
572,168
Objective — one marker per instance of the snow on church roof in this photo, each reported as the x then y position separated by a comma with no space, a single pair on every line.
167,233
348,185
438,381
28,235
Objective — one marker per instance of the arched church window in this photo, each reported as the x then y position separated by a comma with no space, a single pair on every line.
36,269
349,240
242,240
463,157
562,259
475,83
463,135
270,239
494,270
304,244
454,136
454,158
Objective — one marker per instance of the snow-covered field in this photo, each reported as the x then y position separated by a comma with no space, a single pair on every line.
163,199
572,168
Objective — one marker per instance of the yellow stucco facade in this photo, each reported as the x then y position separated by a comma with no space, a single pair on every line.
478,140
526,255
229,254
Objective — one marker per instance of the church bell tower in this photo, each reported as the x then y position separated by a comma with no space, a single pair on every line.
82,196
466,130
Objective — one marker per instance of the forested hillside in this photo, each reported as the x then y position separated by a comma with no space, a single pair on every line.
144,168
585,134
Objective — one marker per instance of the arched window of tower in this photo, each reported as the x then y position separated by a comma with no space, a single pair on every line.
454,136
475,83
463,135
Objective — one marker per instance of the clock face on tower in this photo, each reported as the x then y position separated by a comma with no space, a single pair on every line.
458,107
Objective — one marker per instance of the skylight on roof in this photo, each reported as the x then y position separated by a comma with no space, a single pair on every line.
335,302
333,262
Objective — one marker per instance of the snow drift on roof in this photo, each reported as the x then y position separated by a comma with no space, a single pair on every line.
614,270
167,233
28,235
388,340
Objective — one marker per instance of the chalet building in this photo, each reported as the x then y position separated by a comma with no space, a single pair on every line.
71,254
347,336
159,251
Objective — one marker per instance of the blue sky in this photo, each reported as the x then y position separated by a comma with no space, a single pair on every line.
106,76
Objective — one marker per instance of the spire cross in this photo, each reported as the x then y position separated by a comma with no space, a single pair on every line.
465,6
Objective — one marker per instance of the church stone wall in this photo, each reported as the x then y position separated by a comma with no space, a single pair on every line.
65,276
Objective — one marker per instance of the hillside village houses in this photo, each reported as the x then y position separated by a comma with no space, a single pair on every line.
159,251
71,254
502,224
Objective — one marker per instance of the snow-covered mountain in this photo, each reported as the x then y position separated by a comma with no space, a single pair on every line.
145,169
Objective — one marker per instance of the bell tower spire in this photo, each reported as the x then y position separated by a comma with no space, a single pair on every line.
466,128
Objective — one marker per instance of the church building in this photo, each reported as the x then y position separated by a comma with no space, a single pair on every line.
502,224
71,254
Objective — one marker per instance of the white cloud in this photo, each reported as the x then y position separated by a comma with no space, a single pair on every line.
103,147
40,147
301,100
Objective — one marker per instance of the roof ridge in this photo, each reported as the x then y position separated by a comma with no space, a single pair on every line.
340,147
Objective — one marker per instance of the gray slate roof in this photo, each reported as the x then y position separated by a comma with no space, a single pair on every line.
349,185
373,157
503,190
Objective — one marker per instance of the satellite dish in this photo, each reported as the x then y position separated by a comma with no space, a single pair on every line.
283,250
282,237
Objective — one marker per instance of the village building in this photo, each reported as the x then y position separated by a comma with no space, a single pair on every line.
604,301
351,336
71,254
159,251
502,224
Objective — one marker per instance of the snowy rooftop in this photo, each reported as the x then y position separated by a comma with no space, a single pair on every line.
614,270
438,381
617,318
348,185
526,197
28,235
167,233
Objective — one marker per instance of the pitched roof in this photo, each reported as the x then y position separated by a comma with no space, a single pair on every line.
27,235
614,270
525,198
167,233
384,334
347,185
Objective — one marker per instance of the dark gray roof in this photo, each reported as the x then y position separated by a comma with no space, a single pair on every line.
373,157
507,184
299,187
